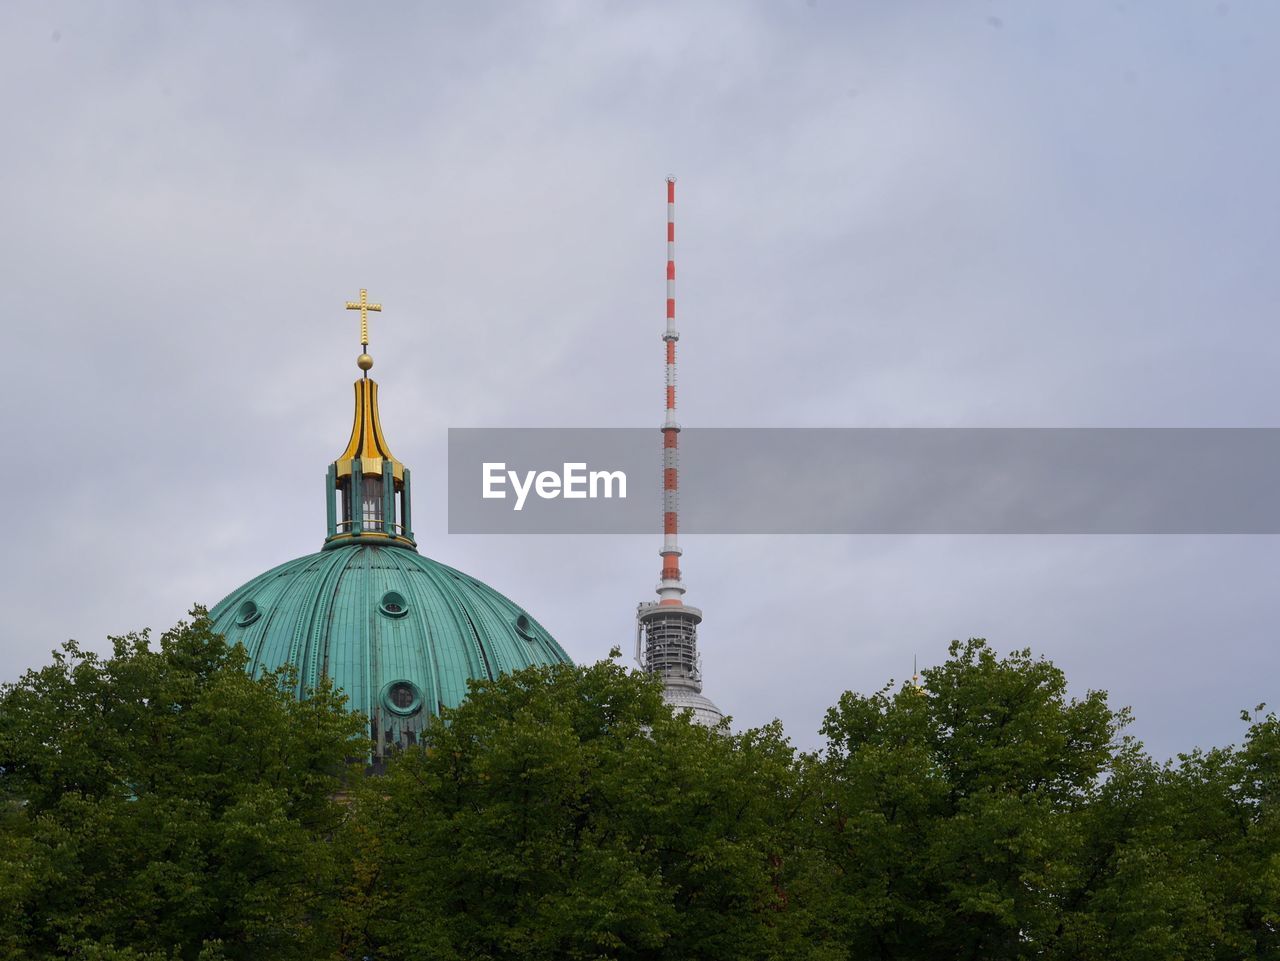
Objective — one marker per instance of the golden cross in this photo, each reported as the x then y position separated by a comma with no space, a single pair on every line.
364,307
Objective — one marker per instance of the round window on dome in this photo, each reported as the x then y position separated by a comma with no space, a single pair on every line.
247,613
524,627
402,697
393,604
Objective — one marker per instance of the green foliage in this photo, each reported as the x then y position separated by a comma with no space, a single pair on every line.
1183,857
563,812
991,816
163,804
160,804
953,811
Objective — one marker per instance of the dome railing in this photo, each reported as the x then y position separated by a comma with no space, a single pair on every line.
369,527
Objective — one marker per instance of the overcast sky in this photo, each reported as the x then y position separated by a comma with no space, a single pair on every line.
890,214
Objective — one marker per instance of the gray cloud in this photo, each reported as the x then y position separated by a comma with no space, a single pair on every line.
889,215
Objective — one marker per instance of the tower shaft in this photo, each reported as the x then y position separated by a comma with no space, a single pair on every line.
667,629
671,587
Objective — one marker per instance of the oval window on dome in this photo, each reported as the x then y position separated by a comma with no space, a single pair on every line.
247,613
402,697
393,604
524,627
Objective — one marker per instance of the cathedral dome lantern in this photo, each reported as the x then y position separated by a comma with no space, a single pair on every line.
399,633
367,488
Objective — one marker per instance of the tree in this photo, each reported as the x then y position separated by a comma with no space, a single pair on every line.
1183,859
564,812
161,803
1258,796
953,814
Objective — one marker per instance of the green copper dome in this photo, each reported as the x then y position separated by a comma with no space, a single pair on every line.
398,633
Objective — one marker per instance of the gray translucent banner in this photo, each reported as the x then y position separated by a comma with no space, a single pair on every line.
869,481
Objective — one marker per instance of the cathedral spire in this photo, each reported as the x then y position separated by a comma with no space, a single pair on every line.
367,489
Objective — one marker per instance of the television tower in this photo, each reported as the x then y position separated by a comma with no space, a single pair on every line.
667,629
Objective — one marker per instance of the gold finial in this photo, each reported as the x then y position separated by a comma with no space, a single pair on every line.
364,361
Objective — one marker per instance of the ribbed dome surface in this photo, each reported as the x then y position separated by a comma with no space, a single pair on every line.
399,633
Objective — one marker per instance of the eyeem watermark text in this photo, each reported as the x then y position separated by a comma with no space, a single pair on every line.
576,482
870,481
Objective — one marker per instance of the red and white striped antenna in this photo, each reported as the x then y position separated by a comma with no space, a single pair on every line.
671,587
667,629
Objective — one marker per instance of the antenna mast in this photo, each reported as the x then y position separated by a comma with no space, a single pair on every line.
667,629
671,589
